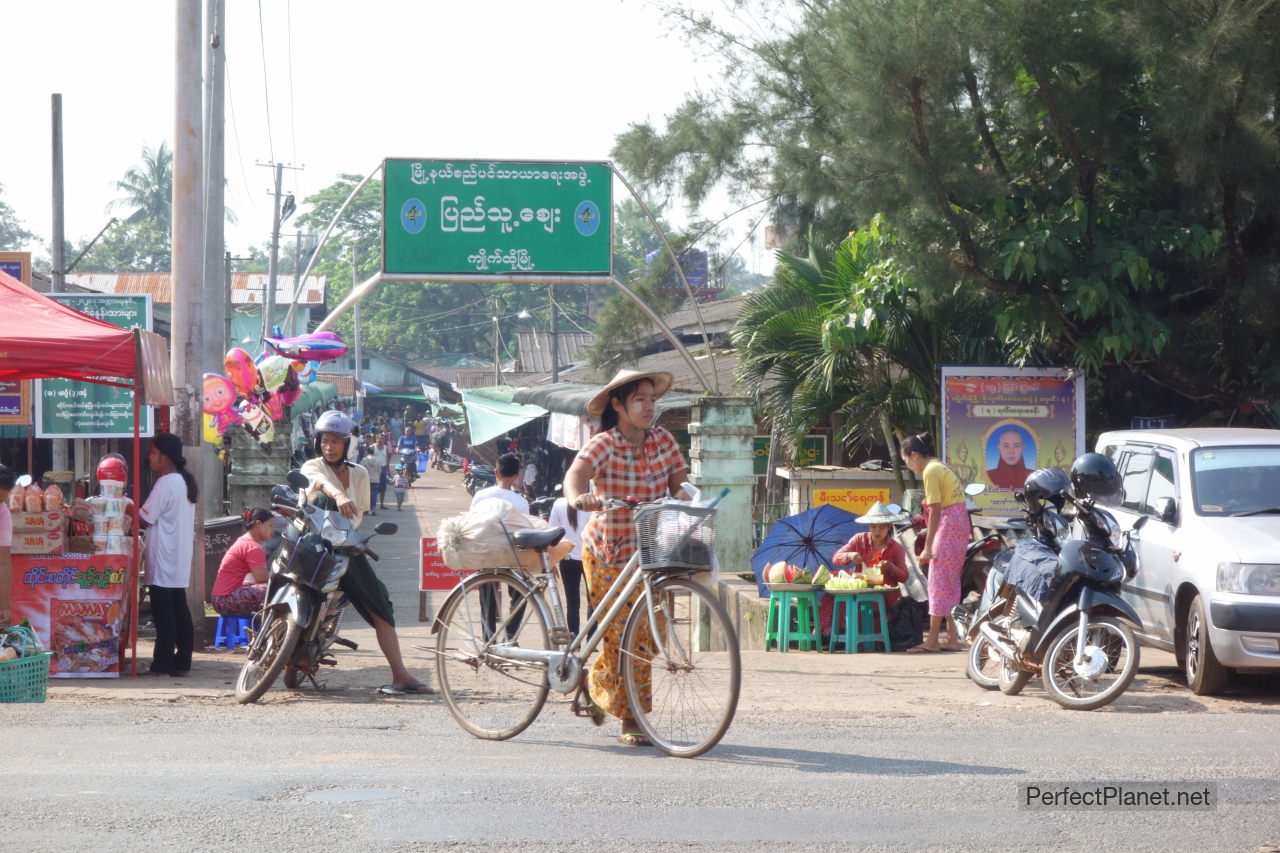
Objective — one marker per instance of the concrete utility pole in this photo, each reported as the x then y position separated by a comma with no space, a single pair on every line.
555,335
61,446
216,335
186,347
273,263
359,373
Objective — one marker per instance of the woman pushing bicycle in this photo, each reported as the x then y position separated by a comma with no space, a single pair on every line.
629,458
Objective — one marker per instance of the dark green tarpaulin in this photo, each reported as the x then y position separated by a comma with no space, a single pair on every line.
316,394
490,412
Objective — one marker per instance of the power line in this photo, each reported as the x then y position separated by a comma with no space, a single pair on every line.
235,131
293,128
266,94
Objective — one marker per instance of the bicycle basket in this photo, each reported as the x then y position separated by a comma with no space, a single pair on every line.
676,536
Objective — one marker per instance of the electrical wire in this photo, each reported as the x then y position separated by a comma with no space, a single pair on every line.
266,93
293,127
235,129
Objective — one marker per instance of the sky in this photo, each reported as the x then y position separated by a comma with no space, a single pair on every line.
333,86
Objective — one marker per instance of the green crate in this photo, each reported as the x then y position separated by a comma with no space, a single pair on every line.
24,679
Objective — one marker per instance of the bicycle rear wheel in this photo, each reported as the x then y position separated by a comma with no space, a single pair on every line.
491,695
683,689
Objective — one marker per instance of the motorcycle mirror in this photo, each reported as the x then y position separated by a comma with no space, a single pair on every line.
1137,525
974,489
22,482
297,479
386,528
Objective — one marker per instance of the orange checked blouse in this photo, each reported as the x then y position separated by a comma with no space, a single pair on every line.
624,471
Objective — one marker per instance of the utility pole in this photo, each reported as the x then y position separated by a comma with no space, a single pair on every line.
269,303
355,281
497,365
555,336
187,347
61,446
216,281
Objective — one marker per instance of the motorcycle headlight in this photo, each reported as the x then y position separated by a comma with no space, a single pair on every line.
332,533
1058,526
1249,578
1110,528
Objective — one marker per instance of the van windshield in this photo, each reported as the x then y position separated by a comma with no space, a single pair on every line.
1236,480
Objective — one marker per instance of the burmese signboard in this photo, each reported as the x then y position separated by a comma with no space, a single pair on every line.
496,218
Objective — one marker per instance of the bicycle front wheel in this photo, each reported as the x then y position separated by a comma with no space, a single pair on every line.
683,682
490,694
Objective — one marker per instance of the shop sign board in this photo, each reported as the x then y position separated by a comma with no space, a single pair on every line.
999,424
497,218
77,607
813,451
435,574
67,408
15,394
856,501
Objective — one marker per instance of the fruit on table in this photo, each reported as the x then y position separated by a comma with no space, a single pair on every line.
776,572
822,575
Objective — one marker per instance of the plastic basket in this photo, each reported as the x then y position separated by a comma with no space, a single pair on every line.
676,536
24,679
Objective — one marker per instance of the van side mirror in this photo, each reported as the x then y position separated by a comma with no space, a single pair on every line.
1167,510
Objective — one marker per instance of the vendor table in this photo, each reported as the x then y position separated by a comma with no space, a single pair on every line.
860,613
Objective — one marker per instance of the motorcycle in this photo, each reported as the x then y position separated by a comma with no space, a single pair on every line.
298,623
476,477
1058,613
1041,522
409,459
450,462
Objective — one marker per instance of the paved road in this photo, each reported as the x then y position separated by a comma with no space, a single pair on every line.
827,752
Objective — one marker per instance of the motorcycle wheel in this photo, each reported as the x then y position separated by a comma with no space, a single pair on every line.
1111,662
449,468
1010,680
983,665
471,487
269,652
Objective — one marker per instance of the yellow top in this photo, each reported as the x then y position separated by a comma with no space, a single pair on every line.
942,487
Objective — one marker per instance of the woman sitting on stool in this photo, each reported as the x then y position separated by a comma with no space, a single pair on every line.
241,585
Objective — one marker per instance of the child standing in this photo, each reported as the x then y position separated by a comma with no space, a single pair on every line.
400,483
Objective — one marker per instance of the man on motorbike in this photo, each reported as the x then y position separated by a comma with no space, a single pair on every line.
408,446
337,485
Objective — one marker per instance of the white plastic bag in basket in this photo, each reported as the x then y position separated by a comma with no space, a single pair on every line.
674,525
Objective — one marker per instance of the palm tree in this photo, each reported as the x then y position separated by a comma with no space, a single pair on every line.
845,331
148,188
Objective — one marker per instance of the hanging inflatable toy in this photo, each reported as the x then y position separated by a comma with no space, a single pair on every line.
220,402
256,421
241,370
307,371
316,346
290,390
274,372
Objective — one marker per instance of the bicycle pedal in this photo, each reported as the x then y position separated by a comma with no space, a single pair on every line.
561,636
343,641
327,661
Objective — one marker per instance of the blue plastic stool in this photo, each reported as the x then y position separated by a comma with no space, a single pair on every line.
778,626
231,633
859,623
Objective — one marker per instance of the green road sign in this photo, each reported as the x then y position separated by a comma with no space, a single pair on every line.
67,408
813,451
487,218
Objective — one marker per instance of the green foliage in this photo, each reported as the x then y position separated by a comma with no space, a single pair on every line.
1100,173
148,188
13,237
139,246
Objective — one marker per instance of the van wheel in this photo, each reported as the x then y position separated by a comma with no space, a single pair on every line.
1205,676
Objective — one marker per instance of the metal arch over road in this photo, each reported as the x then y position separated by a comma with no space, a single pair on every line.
514,276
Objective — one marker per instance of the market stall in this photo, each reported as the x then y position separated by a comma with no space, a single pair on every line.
82,603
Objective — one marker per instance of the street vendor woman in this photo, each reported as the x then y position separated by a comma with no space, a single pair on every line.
874,547
336,484
628,458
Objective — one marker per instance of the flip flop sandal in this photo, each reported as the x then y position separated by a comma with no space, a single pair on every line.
634,739
418,689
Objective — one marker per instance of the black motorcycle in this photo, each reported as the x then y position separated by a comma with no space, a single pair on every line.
450,462
1060,614
299,619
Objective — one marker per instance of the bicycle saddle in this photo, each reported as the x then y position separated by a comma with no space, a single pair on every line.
537,538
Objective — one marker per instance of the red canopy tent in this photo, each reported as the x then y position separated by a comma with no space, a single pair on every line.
41,338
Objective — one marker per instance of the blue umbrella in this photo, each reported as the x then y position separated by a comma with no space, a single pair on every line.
807,539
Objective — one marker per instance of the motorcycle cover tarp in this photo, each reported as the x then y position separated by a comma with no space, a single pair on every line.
1033,569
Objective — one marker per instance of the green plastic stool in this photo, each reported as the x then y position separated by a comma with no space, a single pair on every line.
859,623
778,628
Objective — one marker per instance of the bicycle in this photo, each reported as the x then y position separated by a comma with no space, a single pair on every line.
682,675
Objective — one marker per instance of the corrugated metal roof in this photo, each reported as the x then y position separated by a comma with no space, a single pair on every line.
533,349
246,288
345,383
716,316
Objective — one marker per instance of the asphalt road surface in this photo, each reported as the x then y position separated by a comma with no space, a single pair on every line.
828,752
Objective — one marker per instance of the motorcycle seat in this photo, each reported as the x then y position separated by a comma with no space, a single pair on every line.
537,538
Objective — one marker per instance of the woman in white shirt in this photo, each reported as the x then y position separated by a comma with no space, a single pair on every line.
573,521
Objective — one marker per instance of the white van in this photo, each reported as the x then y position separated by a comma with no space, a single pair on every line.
1208,581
